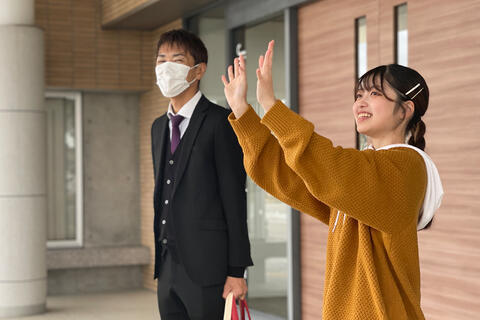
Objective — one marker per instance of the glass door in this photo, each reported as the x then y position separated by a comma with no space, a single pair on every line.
268,218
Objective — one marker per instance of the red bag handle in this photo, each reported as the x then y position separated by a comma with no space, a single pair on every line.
243,307
234,310
234,314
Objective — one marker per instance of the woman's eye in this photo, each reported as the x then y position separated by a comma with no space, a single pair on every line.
358,96
375,93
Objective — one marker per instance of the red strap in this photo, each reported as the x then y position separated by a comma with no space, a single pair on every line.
234,310
243,307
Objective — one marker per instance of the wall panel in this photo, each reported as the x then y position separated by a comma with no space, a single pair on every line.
444,46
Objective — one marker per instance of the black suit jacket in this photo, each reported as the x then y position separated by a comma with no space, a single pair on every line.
208,204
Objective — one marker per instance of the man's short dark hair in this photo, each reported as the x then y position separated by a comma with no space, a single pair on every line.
187,41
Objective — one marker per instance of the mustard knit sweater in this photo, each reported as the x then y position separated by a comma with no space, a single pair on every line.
369,199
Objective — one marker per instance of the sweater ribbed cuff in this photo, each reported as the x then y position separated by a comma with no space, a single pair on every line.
247,125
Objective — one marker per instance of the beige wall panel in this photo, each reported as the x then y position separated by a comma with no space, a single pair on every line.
386,29
444,46
444,40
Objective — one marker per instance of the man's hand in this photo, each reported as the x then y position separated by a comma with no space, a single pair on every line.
236,285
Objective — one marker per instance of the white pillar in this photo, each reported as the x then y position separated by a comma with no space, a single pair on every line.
23,275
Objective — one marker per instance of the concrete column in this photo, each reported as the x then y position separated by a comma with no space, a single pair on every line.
22,162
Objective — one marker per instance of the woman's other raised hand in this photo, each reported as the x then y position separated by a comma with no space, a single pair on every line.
265,95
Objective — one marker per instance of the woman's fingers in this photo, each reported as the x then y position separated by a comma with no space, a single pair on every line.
236,66
259,74
260,61
269,55
265,62
241,63
230,74
224,80
234,71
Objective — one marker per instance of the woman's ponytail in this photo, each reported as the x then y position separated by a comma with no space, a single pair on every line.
417,133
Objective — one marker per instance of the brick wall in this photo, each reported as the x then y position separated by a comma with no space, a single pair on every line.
80,55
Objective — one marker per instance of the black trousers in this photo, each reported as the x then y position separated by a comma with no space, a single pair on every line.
179,298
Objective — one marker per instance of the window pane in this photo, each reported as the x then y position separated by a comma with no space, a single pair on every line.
211,29
268,224
361,56
401,34
361,46
61,168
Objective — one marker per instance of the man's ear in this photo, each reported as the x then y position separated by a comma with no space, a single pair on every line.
200,70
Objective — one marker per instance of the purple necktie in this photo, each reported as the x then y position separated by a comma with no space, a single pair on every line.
175,131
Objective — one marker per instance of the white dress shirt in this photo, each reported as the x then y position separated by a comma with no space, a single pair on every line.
186,111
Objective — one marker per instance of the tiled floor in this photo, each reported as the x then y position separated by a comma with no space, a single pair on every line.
131,305
138,304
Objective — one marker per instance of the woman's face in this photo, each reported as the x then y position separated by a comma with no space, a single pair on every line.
375,115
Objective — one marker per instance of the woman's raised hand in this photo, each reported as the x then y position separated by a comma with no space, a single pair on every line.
236,87
265,95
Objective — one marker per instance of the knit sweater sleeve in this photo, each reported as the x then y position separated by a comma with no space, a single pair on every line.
264,162
382,189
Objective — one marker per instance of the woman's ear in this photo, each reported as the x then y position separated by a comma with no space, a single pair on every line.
409,109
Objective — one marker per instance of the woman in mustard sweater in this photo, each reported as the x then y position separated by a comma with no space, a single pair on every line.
373,201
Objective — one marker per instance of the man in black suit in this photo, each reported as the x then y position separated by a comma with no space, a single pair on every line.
201,238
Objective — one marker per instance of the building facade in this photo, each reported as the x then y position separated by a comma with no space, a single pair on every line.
94,177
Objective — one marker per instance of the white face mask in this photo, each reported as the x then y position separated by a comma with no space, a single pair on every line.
172,78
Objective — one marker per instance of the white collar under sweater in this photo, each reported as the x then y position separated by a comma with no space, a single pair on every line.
434,191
